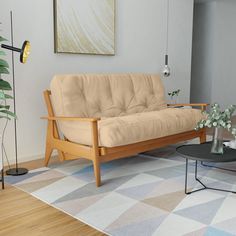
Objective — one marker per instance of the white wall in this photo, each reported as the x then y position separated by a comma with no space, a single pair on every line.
140,44
214,53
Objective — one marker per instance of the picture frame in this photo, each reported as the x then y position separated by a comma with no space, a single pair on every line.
84,26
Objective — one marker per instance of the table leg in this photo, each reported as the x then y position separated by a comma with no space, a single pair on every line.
186,177
2,174
199,181
196,178
195,170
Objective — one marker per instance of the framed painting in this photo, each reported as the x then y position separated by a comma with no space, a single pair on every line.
84,26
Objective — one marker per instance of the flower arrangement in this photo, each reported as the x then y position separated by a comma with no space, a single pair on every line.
217,118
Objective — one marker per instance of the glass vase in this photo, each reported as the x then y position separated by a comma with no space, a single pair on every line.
172,101
217,141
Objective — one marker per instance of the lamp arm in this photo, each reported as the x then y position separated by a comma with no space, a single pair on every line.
11,48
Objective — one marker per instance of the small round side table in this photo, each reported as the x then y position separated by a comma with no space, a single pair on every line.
202,153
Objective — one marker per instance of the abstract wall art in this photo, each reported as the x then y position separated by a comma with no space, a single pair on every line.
84,26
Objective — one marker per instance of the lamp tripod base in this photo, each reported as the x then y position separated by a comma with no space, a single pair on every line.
17,171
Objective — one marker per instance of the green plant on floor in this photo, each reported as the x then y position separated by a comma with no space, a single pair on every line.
4,86
218,118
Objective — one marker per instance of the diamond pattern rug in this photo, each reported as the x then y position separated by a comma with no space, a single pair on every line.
141,195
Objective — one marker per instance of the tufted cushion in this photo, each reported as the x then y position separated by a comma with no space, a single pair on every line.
94,95
117,131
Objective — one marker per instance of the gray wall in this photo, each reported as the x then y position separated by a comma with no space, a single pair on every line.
140,44
224,78
214,53
202,53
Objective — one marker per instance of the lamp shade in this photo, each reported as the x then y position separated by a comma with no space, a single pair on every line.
25,51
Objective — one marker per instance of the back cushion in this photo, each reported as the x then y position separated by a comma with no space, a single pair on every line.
106,95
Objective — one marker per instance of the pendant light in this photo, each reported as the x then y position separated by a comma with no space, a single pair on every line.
166,70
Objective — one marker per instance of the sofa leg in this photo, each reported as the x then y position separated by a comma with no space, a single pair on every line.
61,155
95,153
203,137
48,154
96,167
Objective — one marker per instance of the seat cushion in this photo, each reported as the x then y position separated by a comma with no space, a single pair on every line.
118,131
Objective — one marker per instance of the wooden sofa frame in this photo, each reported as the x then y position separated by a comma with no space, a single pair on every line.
68,150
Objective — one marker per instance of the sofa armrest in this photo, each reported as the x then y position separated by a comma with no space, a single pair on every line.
62,118
202,105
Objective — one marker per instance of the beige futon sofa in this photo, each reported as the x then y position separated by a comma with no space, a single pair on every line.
103,117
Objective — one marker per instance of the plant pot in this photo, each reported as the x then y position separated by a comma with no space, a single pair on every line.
217,141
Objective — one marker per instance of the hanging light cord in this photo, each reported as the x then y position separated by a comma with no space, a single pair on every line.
167,26
166,69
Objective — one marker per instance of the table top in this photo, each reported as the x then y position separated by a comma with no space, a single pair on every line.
202,152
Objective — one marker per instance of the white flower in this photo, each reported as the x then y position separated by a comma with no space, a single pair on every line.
217,118
234,131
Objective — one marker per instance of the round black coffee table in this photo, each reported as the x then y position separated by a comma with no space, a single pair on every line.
202,153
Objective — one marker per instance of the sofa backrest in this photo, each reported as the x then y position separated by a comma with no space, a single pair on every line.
106,95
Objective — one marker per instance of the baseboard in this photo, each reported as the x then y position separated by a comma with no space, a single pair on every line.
196,140
27,158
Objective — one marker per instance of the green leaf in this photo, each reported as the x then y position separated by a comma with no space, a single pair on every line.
9,113
4,85
4,70
2,53
4,63
7,96
2,39
5,117
4,107
2,95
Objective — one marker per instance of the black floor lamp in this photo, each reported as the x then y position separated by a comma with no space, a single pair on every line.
24,53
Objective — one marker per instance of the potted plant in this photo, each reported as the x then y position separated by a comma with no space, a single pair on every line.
219,120
173,96
4,86
5,112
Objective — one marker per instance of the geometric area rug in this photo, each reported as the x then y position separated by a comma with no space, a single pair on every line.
141,196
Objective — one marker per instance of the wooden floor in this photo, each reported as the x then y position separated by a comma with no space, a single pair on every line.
23,215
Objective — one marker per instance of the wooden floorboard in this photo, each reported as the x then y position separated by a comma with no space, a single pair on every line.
23,215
